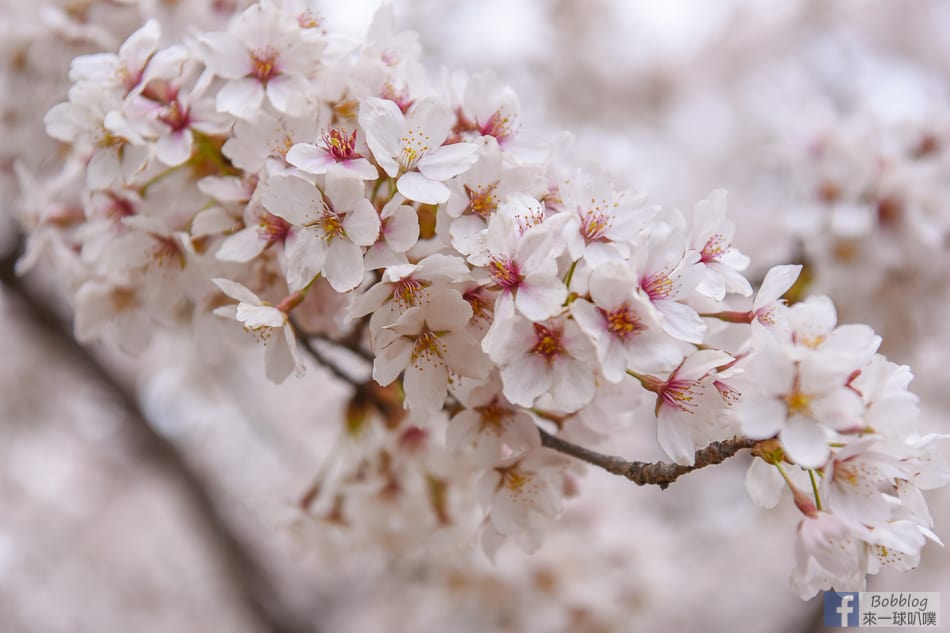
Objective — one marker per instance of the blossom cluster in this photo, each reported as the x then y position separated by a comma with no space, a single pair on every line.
279,179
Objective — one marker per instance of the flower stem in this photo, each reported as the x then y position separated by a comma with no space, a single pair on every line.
814,487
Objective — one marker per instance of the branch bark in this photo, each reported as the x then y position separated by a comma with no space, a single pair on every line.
247,575
660,474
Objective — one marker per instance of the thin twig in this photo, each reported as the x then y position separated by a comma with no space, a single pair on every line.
661,474
306,343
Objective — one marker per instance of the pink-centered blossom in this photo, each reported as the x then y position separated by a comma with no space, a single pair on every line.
409,147
621,324
432,346
330,229
262,54
548,358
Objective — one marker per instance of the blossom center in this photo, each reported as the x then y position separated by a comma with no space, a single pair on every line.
515,480
505,272
497,125
428,349
594,225
547,342
166,251
729,394
480,305
272,228
264,64
175,116
658,286
492,416
481,201
680,393
309,20
124,299
414,145
340,146
798,402
330,223
714,248
408,292
622,322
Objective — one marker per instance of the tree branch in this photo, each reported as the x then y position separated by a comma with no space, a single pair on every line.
660,474
241,568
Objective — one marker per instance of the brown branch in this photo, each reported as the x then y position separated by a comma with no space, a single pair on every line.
660,474
241,568
306,342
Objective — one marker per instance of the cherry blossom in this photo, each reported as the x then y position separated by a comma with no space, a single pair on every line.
621,324
712,235
336,149
262,54
330,228
549,357
409,147
431,346
261,319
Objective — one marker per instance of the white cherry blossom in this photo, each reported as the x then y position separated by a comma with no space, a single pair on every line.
409,147
331,229
269,325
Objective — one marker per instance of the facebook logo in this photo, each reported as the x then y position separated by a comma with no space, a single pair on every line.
841,609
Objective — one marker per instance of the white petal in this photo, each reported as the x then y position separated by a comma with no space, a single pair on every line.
309,158
525,379
282,91
260,316
362,223
417,187
425,387
306,258
764,483
292,198
243,246
402,230
777,281
343,267
701,362
384,124
681,321
573,385
540,297
279,362
361,168
391,360
672,432
240,97
448,161
761,416
805,442
236,291
224,55
175,148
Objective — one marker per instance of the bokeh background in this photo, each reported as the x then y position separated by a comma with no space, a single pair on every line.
159,493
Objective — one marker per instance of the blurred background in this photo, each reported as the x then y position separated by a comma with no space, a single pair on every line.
160,493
